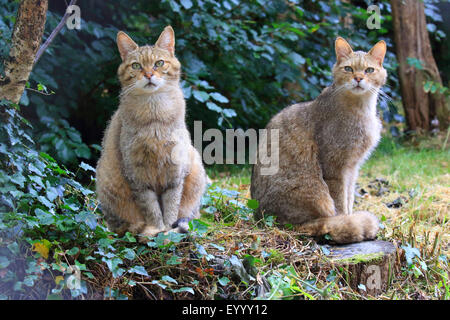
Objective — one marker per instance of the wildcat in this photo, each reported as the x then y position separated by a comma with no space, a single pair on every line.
322,145
150,179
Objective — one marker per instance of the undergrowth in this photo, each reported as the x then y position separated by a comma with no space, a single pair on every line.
54,244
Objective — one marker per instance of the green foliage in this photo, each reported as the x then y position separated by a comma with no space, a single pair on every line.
242,62
43,208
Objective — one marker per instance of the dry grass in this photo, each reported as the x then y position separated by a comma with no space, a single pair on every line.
407,187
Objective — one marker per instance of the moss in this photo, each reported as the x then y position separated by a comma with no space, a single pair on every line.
276,257
358,258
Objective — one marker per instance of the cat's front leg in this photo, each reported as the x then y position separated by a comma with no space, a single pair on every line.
171,199
147,200
351,184
338,191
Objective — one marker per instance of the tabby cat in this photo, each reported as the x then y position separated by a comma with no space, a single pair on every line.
150,179
323,143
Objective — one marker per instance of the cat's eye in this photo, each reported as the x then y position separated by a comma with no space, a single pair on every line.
136,66
370,70
159,63
348,69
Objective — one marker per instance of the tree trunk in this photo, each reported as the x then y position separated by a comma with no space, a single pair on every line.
412,41
26,38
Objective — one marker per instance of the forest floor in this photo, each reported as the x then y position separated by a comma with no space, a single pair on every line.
229,255
406,186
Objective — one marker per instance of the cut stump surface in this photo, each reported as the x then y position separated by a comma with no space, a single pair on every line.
367,266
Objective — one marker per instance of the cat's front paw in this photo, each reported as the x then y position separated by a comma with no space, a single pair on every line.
149,232
369,224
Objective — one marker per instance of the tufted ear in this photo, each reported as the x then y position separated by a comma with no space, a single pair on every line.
125,44
378,51
343,49
166,40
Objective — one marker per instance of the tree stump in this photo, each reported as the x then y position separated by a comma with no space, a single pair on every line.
367,266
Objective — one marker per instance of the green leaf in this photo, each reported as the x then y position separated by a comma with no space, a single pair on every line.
223,281
198,226
410,253
128,253
44,217
219,98
416,63
184,289
4,262
427,86
229,113
139,270
214,107
252,204
86,167
173,260
175,6
187,4
296,58
201,96
169,279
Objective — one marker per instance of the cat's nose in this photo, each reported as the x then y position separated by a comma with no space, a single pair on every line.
148,75
358,79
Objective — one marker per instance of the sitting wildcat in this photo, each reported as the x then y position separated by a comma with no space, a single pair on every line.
150,178
322,145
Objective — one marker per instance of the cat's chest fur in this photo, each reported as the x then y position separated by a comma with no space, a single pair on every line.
348,136
151,149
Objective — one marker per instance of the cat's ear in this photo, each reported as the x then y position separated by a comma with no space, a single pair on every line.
125,44
378,51
166,40
343,49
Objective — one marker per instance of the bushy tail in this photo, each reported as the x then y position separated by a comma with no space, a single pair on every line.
181,225
360,226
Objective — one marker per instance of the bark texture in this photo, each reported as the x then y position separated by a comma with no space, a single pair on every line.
26,39
412,41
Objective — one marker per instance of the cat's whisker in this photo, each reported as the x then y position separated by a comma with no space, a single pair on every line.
337,90
384,95
127,90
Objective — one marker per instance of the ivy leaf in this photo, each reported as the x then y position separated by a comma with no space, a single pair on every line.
86,167
198,226
128,253
44,217
201,96
214,107
173,260
224,281
229,113
410,253
219,98
41,248
184,289
4,262
139,270
296,58
187,4
252,204
73,251
169,279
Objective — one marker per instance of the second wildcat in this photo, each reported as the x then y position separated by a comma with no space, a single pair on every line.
322,145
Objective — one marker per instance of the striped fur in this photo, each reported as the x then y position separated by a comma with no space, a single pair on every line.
149,175
323,143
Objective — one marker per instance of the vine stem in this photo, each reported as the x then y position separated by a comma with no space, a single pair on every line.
52,36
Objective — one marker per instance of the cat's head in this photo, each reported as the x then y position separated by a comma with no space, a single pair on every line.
147,69
359,72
